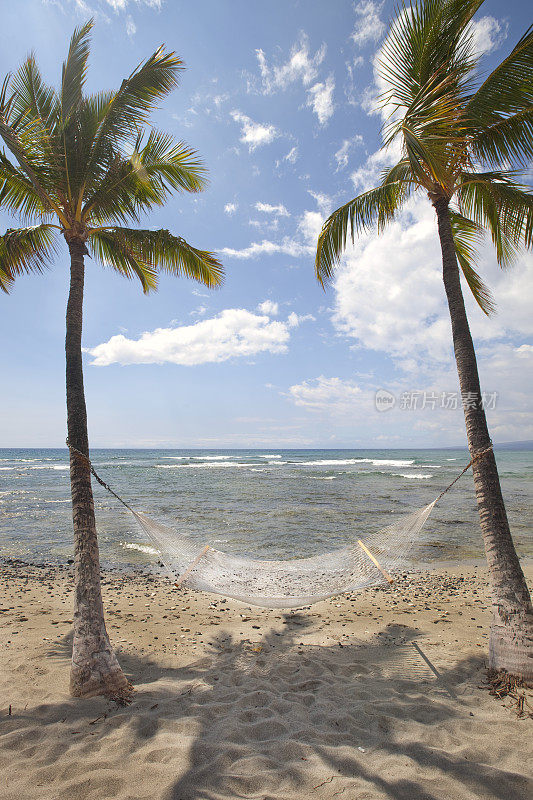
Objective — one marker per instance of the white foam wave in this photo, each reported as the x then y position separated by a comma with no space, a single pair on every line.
51,466
142,548
376,462
322,477
270,456
199,458
417,475
201,466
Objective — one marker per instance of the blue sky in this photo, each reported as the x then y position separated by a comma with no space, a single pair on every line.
279,99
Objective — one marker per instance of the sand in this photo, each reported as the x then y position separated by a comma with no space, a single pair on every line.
231,701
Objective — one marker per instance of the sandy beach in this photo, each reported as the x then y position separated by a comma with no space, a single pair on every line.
375,695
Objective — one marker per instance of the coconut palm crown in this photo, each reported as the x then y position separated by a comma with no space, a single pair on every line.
86,166
462,143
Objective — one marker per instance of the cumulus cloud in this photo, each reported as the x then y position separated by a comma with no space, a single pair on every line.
398,274
320,99
233,333
302,244
301,66
268,307
254,134
489,34
230,208
278,210
294,319
369,26
343,153
405,314
287,246
326,394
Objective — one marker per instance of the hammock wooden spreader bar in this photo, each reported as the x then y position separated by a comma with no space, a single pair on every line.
375,561
191,567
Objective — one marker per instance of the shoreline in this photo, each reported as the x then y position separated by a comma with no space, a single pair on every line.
373,695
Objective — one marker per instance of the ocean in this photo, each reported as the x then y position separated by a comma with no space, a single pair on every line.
258,503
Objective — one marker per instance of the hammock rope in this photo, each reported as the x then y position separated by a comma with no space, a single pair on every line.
288,583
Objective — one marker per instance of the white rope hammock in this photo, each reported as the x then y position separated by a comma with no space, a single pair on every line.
291,583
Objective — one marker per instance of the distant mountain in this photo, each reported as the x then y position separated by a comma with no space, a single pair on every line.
527,445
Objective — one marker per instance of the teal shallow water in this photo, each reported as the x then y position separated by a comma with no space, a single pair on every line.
260,503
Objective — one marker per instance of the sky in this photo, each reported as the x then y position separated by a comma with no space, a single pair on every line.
279,99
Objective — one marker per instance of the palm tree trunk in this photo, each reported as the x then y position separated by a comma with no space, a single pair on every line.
95,669
511,633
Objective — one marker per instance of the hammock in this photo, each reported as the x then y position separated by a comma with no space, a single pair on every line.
291,583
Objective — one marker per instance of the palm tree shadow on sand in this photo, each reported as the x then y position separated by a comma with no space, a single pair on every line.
276,718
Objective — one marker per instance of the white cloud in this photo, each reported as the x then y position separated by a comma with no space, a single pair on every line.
269,224
489,34
301,66
230,208
304,244
342,154
268,307
291,156
131,27
368,175
254,134
293,320
320,99
287,246
233,333
326,394
404,313
198,312
266,208
323,201
368,25
398,275
120,5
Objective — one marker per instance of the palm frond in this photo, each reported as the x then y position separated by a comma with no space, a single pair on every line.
495,201
25,250
427,39
508,89
33,99
74,70
114,251
144,180
128,109
467,237
510,140
161,251
376,207
18,194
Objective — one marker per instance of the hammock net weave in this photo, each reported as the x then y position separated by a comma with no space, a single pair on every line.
291,583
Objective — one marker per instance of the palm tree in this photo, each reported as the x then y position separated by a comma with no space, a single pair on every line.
83,167
464,141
